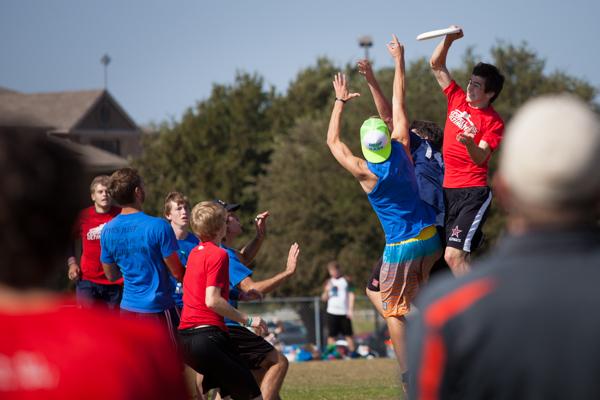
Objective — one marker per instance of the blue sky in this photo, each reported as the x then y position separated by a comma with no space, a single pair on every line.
167,54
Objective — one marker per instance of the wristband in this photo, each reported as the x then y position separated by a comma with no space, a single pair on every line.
71,261
249,322
342,100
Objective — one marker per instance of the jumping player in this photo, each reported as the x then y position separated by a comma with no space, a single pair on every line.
388,178
473,131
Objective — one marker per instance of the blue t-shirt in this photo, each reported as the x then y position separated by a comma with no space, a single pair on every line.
185,247
395,197
137,244
237,273
429,171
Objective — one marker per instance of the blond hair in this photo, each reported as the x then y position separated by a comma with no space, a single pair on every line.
208,219
103,180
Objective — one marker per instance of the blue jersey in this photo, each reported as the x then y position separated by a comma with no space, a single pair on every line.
137,243
429,171
395,197
185,247
237,273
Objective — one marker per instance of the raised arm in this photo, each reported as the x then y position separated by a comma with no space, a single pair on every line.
438,59
355,165
268,285
249,251
400,132
384,108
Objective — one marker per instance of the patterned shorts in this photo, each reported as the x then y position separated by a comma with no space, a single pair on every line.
405,269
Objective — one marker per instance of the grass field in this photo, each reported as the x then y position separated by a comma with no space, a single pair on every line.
361,379
344,379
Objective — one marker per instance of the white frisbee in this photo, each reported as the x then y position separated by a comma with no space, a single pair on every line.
437,33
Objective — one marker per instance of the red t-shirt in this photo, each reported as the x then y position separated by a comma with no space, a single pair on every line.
89,226
461,171
207,265
62,352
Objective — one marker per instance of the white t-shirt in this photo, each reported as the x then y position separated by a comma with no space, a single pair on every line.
337,304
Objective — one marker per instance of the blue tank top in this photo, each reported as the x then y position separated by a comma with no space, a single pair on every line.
395,198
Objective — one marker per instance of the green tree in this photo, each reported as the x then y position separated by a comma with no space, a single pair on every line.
268,151
216,151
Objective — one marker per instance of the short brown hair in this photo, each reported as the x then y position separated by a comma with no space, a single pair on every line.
208,220
122,185
177,198
103,180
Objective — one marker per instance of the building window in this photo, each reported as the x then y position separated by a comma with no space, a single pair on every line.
112,146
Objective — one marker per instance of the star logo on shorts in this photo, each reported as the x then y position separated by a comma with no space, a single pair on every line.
455,231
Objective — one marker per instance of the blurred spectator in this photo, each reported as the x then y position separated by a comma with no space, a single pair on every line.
50,349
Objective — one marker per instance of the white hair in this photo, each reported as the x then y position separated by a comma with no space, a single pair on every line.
551,153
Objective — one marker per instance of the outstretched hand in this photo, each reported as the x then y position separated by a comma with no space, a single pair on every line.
260,222
365,69
395,48
340,85
292,259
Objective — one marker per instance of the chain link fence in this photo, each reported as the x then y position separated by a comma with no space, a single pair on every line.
300,322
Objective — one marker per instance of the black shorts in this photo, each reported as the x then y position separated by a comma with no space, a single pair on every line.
373,284
339,325
466,211
252,347
210,352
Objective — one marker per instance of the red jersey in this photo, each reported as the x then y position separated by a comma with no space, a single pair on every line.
89,226
62,352
207,265
461,171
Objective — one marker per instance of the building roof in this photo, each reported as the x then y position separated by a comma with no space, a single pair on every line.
59,110
96,159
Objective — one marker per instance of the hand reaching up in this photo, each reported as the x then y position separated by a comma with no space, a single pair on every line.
365,69
396,48
340,85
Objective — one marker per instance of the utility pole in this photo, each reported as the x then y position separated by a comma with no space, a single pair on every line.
365,42
105,60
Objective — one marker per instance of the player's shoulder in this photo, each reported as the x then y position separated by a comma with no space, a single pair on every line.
494,118
212,250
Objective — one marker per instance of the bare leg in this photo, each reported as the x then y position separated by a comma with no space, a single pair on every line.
271,375
457,260
375,298
199,394
351,345
397,328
